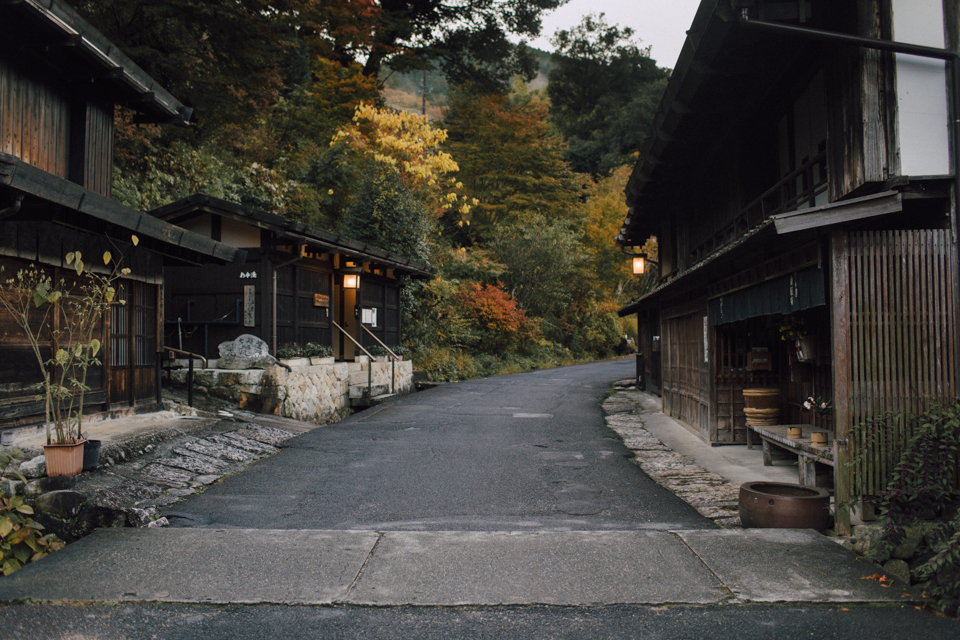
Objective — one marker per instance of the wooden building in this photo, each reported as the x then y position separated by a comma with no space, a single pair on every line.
60,81
801,179
298,284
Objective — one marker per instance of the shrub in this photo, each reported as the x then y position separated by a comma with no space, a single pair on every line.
289,350
314,350
20,538
921,486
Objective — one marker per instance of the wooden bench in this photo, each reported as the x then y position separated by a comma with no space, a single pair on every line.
809,455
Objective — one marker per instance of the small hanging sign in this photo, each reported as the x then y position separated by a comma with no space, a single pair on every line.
321,300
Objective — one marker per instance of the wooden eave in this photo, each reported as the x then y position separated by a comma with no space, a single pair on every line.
699,273
725,76
296,232
95,210
50,35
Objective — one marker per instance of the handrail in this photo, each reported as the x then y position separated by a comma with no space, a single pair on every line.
190,357
188,354
344,332
392,354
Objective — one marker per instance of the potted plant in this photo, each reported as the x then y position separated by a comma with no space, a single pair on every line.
793,329
63,316
318,353
291,354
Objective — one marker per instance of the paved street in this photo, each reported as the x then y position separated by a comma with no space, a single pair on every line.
512,453
500,508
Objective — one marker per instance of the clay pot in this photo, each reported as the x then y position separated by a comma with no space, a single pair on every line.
63,459
780,505
794,433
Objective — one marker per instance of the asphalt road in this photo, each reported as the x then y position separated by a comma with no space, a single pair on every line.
528,452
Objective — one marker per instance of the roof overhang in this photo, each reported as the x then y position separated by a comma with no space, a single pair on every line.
839,212
725,75
296,232
50,35
178,244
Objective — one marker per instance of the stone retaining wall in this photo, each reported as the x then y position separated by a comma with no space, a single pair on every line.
312,393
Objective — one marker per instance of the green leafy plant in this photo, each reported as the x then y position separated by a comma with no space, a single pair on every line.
65,316
919,489
315,350
20,539
289,350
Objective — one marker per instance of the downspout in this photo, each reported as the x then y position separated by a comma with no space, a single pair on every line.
300,256
952,59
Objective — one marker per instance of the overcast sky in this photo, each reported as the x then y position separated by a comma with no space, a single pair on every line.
659,23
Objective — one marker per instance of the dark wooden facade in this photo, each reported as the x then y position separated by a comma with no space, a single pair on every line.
59,83
290,290
779,159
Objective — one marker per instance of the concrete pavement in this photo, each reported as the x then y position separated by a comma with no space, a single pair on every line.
449,568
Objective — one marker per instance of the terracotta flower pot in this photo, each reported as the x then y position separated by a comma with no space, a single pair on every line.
64,459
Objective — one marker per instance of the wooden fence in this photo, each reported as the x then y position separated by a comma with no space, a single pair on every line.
902,337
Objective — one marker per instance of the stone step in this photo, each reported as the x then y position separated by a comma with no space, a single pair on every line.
360,391
371,402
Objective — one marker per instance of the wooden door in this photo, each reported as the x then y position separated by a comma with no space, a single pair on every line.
133,344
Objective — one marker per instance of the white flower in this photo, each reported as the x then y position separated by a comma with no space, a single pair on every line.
807,405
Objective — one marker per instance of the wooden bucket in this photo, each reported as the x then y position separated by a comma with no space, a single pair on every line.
762,407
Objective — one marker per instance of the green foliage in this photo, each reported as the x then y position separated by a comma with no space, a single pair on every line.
544,261
289,350
314,350
20,539
384,212
604,90
469,40
921,487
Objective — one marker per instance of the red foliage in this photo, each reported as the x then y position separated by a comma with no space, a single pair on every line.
496,313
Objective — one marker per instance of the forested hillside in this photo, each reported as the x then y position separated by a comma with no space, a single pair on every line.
512,192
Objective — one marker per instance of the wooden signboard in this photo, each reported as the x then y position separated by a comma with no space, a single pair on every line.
249,305
321,300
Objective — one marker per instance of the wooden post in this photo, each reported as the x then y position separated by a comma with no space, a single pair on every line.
840,287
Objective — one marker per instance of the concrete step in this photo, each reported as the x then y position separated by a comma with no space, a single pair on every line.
371,402
360,390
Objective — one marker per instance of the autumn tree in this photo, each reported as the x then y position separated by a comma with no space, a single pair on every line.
604,90
509,162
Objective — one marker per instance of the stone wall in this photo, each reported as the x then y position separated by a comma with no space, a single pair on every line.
311,393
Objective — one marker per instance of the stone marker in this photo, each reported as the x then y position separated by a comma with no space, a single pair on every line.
246,352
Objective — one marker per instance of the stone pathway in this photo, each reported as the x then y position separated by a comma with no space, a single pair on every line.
167,473
130,490
712,495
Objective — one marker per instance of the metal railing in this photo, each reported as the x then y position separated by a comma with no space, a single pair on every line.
190,356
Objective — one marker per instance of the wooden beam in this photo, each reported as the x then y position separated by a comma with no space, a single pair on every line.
842,372
838,212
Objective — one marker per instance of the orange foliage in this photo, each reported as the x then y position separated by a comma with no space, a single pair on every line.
496,313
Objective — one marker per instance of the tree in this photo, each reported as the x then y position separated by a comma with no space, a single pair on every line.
468,38
509,162
603,91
